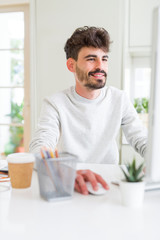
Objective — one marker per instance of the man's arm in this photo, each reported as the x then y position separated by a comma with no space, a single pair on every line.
134,131
48,130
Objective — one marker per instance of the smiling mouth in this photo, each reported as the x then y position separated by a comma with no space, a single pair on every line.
97,74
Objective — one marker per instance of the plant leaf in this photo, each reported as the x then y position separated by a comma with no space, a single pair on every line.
125,174
139,170
134,165
140,179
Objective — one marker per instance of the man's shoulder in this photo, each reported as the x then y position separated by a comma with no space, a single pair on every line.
59,96
115,92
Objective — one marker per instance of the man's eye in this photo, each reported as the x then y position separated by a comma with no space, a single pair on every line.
105,59
90,59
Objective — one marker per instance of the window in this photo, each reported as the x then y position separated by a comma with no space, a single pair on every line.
137,78
14,80
137,85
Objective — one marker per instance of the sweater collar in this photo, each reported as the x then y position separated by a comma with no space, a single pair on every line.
86,100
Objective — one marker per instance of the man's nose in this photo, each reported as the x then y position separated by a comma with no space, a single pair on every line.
99,64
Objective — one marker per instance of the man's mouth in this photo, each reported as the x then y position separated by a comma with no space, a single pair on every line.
96,74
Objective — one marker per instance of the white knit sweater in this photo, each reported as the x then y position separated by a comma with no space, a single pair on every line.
88,128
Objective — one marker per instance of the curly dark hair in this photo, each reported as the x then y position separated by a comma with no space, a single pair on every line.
87,37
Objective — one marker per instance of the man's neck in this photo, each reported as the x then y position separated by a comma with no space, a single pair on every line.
87,93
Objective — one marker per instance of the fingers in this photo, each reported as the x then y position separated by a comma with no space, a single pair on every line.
80,184
93,178
102,181
89,176
76,187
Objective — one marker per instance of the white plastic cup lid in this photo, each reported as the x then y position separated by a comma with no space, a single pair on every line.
20,158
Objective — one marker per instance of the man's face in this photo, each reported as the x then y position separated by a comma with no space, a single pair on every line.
92,67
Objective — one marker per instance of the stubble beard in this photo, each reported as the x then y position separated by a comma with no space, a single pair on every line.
86,78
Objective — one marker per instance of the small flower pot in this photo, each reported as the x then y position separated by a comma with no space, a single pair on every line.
132,193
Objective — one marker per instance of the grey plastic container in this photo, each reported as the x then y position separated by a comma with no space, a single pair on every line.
56,177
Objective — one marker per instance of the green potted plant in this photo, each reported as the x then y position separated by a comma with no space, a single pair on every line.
132,186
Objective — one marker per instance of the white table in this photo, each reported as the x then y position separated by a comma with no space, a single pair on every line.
25,215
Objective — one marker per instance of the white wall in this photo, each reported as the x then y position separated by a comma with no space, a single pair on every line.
55,22
140,19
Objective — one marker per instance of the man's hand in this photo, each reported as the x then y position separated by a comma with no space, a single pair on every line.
83,176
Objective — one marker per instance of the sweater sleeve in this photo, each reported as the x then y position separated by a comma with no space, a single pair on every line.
48,130
134,131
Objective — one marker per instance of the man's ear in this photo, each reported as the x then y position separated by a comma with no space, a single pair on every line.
71,64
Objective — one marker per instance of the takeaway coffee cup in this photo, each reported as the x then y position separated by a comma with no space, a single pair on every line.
20,166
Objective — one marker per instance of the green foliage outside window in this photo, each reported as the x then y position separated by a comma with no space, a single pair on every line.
16,133
141,105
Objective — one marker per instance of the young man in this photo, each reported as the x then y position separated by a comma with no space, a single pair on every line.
85,119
